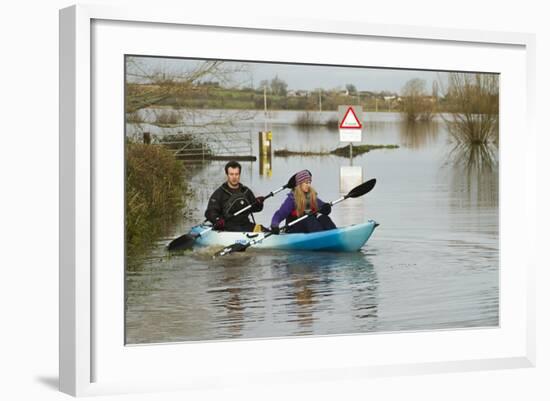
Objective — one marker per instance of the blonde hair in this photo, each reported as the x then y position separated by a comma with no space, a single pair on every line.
300,200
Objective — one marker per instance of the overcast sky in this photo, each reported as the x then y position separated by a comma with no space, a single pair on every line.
306,76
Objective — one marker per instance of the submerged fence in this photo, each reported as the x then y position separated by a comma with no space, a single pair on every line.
208,145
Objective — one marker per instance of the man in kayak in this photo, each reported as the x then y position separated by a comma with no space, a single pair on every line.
231,197
302,200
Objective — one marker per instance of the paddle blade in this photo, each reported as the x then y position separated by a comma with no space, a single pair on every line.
291,182
236,247
362,189
182,243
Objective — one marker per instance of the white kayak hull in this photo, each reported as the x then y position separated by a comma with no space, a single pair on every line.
344,239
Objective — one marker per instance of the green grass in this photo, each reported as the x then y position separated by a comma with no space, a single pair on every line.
342,151
360,149
288,153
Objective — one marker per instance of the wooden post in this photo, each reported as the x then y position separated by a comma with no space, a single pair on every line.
147,138
264,150
261,151
260,142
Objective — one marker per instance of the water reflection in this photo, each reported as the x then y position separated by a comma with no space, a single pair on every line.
320,284
254,294
419,134
230,296
474,175
475,157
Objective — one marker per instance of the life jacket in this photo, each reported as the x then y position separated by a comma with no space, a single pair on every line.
237,200
294,213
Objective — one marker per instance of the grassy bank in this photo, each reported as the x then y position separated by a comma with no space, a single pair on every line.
249,99
155,190
360,149
342,151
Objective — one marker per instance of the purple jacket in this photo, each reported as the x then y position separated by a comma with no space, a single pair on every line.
286,209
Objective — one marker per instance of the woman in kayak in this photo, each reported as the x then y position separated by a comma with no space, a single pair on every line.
302,200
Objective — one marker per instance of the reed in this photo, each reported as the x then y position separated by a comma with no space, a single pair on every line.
307,119
155,190
332,123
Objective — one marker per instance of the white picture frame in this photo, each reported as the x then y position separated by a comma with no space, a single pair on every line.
93,358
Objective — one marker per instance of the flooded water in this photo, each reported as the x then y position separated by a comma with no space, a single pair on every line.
433,263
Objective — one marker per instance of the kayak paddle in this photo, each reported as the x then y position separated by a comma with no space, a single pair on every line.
186,241
356,192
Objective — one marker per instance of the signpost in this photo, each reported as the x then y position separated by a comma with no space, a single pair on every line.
350,127
349,123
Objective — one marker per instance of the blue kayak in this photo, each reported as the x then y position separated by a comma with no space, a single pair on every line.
343,239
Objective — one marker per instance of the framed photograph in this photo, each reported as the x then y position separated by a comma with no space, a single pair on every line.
247,201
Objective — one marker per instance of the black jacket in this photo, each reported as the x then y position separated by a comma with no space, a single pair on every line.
225,201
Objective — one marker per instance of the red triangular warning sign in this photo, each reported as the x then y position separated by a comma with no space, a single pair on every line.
350,120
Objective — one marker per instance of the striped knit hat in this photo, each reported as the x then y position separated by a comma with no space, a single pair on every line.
303,176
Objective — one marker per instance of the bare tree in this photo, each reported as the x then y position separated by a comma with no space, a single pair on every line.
351,89
416,104
435,90
149,85
264,83
278,86
473,101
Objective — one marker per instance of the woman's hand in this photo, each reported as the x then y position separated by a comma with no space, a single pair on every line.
325,209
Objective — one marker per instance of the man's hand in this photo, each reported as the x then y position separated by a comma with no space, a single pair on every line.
220,224
258,204
275,230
